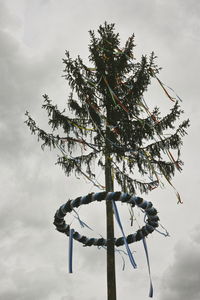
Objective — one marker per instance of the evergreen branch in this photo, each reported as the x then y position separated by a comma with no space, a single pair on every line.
174,141
57,119
49,139
167,167
132,184
169,119
80,111
75,164
75,72
69,164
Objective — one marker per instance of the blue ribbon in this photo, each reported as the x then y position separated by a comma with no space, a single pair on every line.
166,233
83,224
70,249
117,251
149,270
125,241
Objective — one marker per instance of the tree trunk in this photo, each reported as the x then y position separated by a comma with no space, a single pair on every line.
111,281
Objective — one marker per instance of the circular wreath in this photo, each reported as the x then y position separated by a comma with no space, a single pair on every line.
150,224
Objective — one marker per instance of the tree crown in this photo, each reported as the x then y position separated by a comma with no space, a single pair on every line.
107,102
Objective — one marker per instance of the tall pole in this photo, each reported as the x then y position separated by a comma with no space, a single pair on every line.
111,280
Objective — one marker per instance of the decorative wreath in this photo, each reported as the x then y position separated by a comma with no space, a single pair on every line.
150,224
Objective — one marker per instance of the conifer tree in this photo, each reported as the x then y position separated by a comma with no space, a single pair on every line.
111,122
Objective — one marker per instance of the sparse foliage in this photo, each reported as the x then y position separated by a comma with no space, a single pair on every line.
107,104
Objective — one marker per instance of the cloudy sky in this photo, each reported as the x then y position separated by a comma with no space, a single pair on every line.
33,262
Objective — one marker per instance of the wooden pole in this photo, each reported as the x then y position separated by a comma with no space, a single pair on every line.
111,280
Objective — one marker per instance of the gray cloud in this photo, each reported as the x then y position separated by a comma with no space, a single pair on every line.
33,284
34,36
181,280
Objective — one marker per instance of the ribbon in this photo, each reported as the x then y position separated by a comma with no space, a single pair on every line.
83,224
116,213
70,249
149,270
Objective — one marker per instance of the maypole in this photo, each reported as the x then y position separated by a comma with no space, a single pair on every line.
109,185
113,126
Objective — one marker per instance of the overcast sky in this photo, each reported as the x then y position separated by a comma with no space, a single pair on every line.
33,259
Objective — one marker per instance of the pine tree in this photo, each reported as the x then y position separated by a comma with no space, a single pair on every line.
111,122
